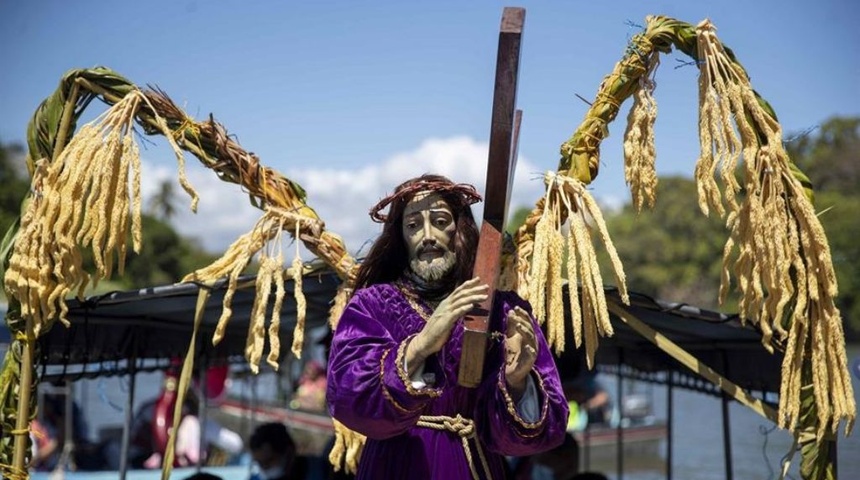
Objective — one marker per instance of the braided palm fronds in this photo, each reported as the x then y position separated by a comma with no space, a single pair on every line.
81,198
210,143
777,248
268,190
540,252
580,155
56,117
580,158
10,423
45,264
347,448
58,114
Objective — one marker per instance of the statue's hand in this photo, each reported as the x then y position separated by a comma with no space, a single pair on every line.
520,350
438,328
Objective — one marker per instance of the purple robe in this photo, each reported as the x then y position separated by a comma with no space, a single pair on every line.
369,392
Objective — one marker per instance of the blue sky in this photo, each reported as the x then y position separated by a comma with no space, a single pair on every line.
351,97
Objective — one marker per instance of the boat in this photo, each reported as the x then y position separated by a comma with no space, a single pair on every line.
640,434
143,331
153,325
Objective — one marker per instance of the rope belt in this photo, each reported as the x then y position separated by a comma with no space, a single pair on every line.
465,429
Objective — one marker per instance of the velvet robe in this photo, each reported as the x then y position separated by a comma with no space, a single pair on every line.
368,391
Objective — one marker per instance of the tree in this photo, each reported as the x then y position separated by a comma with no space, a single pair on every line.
13,184
517,219
165,256
673,252
162,204
830,159
840,214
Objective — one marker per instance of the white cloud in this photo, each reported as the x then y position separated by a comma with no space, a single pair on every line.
223,213
341,197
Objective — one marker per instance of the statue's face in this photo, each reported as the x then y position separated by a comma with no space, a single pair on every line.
428,229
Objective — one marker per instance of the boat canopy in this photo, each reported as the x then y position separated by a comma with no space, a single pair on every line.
154,325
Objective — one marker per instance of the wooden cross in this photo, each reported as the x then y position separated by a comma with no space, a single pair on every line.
501,162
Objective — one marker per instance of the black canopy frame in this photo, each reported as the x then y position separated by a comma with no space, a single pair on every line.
154,325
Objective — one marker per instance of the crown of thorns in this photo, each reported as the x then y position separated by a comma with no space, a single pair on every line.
466,191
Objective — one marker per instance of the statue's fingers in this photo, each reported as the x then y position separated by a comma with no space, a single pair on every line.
532,351
527,329
529,338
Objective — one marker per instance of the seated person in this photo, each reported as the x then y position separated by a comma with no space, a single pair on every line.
150,431
591,398
49,435
274,452
215,438
46,446
310,394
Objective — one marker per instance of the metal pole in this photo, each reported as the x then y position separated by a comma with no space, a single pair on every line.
201,411
586,439
669,410
832,456
253,416
129,416
727,433
619,431
727,436
67,459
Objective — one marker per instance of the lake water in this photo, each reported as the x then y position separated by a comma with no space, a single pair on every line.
757,446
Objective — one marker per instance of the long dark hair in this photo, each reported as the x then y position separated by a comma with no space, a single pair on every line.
388,258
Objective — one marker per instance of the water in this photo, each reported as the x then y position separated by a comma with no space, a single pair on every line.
757,446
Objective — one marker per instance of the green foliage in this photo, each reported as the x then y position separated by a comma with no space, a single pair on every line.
13,184
840,219
672,252
517,219
163,203
165,256
830,156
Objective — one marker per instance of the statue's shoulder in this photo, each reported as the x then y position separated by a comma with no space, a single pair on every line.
379,292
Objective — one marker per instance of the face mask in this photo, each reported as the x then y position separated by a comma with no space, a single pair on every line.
272,473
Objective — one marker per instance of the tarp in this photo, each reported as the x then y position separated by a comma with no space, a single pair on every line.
719,341
156,324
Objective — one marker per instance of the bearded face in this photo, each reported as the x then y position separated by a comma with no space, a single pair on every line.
436,269
429,229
